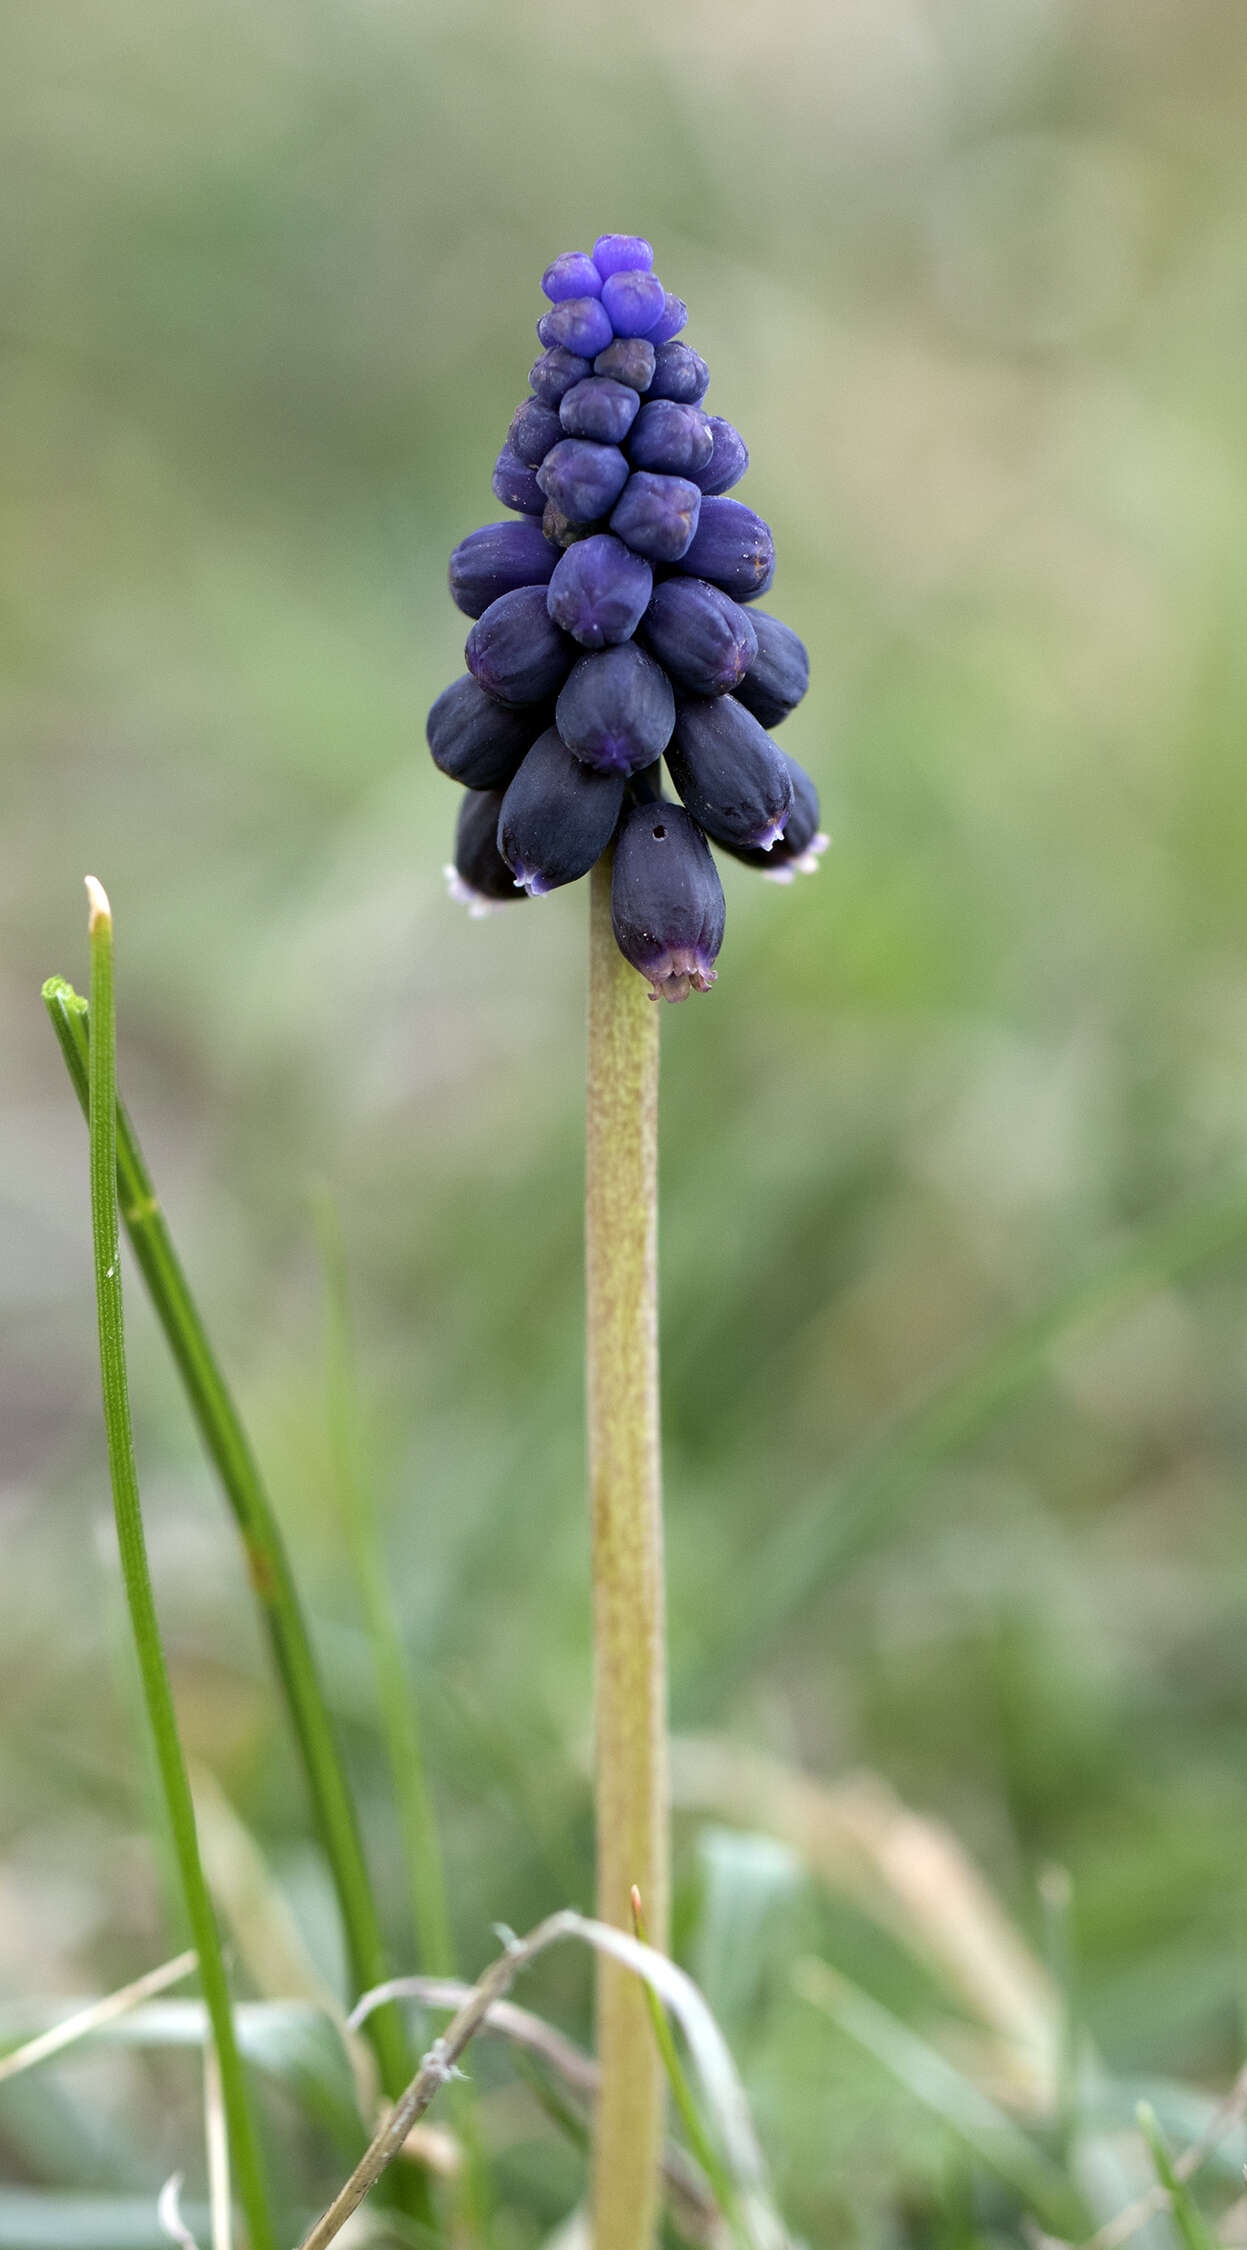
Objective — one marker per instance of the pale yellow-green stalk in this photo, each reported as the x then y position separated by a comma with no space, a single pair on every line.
625,1487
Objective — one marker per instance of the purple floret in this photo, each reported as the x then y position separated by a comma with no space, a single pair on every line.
475,739
598,408
535,427
680,373
553,374
616,709
557,816
730,774
802,844
599,591
728,461
657,516
516,650
495,560
515,484
630,360
667,906
673,318
635,302
779,674
674,439
706,640
571,275
583,478
479,876
622,253
580,324
733,548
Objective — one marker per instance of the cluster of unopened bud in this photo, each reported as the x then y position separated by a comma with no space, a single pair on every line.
614,628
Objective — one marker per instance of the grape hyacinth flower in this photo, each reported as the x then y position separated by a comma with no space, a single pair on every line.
613,628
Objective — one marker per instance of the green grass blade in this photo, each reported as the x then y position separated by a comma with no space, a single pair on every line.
157,1694
1187,2216
226,1442
984,2129
698,2138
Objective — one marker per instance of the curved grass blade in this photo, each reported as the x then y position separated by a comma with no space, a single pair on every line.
229,1448
1187,2216
157,1694
998,2143
699,2140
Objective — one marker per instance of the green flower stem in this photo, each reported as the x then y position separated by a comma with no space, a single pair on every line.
229,1449
625,1487
157,1695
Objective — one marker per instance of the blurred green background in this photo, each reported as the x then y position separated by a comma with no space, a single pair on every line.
969,275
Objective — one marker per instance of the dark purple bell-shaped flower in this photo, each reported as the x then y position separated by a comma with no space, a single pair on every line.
617,709
597,408
657,516
579,324
679,373
732,547
571,275
622,253
630,359
666,900
515,484
729,459
583,478
552,376
498,559
635,301
779,674
478,876
599,591
557,816
705,640
675,439
535,427
729,772
674,317
516,650
799,849
477,740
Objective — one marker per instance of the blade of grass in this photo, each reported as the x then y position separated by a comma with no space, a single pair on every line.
229,1448
699,2140
1187,2216
216,2138
947,2094
839,1520
100,2012
158,1697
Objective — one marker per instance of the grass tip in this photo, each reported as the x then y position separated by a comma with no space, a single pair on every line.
97,900
58,992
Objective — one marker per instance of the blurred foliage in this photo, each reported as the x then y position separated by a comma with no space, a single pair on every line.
969,277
